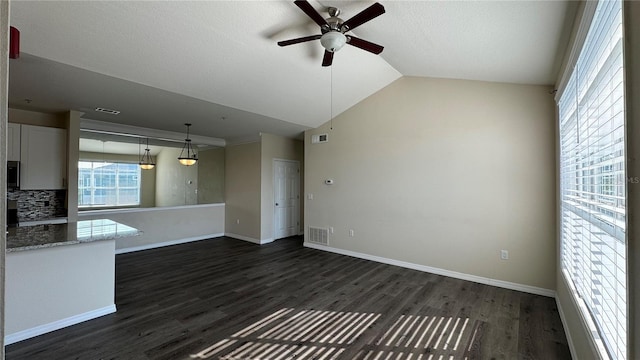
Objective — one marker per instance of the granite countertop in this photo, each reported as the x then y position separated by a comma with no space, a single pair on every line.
49,235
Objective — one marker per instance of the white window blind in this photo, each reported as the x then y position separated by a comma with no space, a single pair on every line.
592,177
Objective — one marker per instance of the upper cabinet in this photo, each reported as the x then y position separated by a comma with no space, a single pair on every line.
43,158
13,142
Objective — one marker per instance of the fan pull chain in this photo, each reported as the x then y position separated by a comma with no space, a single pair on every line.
331,98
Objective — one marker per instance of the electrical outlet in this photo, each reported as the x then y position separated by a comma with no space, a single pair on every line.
352,233
504,254
237,221
310,196
331,229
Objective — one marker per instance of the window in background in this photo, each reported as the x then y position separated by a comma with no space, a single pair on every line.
592,182
108,184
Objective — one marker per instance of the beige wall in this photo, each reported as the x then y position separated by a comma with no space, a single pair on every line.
73,155
277,147
211,176
167,225
176,184
148,181
242,190
51,285
445,174
38,118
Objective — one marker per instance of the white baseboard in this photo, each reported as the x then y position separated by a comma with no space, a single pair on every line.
438,271
59,324
166,243
567,332
249,239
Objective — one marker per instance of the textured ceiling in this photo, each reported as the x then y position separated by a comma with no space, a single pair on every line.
216,63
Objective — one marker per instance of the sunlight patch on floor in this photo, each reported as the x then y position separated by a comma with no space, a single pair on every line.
316,334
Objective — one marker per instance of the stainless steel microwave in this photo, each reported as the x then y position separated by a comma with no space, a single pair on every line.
13,174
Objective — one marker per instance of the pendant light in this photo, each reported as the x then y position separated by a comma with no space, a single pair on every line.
190,157
146,162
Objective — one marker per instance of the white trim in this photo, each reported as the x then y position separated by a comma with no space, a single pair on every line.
133,210
596,346
167,243
584,16
567,332
249,239
454,274
58,324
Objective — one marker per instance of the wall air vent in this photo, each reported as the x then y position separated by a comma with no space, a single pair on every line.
108,111
319,138
318,236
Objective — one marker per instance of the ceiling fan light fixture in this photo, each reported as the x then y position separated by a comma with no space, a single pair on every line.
333,40
188,155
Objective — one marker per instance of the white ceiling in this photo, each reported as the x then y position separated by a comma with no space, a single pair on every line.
216,63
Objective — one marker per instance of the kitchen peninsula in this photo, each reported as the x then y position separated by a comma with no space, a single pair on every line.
58,275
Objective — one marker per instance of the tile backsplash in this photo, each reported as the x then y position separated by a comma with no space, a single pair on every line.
38,204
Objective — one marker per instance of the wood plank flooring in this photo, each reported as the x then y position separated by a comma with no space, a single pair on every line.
229,299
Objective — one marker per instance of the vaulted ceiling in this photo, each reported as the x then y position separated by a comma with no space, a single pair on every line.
216,63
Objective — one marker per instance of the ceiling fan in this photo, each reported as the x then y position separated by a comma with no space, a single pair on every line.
333,30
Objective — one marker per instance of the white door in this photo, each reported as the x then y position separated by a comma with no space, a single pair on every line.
286,194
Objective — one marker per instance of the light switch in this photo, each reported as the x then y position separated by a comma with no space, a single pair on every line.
310,196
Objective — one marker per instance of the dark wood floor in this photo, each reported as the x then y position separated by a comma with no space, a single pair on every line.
229,299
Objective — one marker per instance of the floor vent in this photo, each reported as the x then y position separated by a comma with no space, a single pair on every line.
318,235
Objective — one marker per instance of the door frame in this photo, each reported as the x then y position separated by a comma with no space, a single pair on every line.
273,189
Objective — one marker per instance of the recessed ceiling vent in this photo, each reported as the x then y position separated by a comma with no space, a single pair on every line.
319,138
108,111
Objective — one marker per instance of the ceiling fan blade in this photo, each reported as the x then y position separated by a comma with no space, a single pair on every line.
299,40
327,60
365,15
364,45
311,12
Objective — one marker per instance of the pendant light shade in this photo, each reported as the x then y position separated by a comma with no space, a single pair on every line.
188,156
146,162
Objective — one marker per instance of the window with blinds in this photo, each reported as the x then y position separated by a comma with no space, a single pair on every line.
592,181
108,184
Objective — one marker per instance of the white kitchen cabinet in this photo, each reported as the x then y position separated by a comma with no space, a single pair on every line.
13,142
43,158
